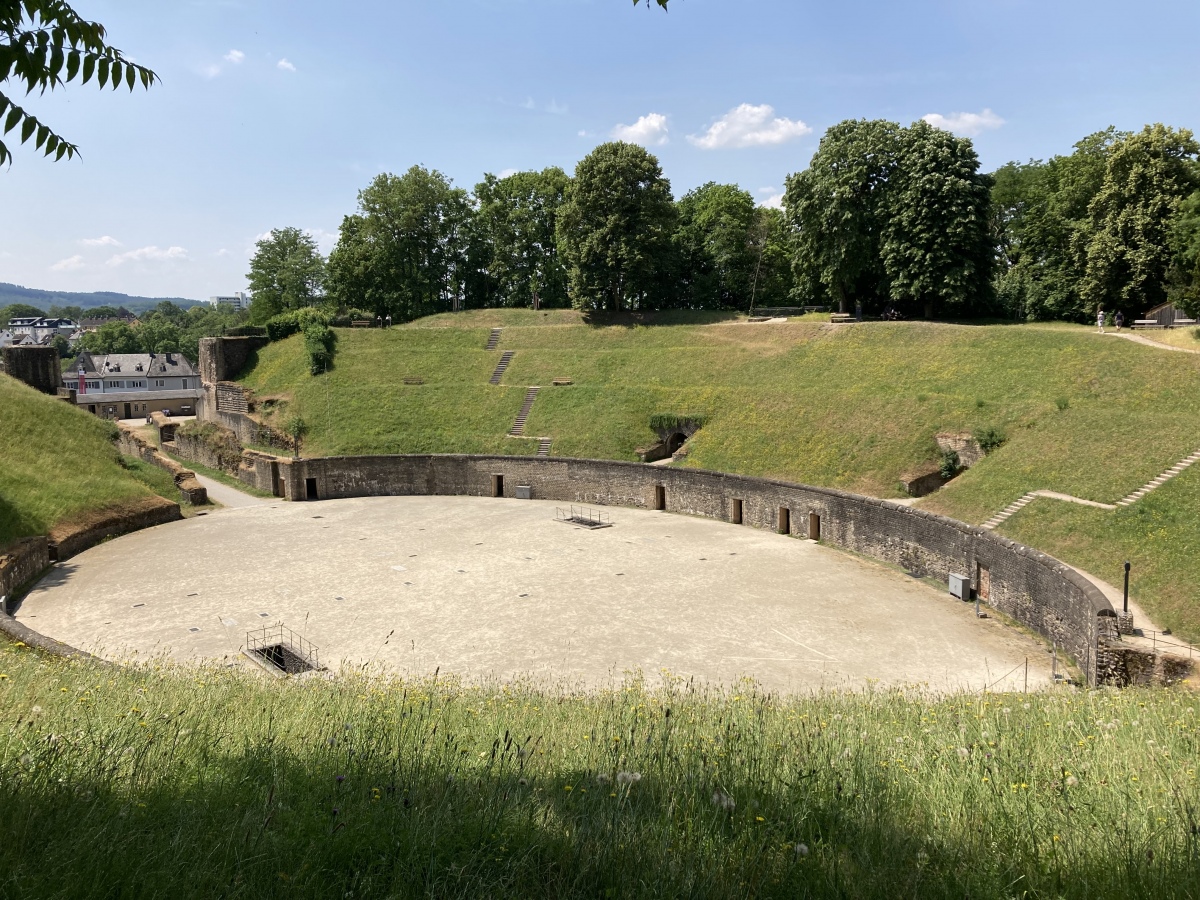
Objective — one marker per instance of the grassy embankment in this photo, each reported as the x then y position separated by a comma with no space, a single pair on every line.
851,407
57,463
203,782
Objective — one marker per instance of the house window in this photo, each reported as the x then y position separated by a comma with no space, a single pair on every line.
137,384
185,384
93,385
116,384
160,383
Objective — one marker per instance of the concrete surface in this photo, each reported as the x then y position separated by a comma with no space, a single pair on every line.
487,588
226,495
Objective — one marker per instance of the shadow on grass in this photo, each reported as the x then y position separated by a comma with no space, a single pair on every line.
406,811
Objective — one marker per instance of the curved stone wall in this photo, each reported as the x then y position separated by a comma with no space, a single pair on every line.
1031,587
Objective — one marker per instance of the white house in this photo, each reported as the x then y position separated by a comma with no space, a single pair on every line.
130,385
41,328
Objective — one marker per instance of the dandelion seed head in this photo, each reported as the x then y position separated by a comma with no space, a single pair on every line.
1072,781
963,752
627,778
723,801
603,778
801,850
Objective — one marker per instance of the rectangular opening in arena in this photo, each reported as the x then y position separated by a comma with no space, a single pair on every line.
583,517
282,649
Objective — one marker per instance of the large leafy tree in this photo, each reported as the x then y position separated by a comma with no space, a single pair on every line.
935,244
772,246
715,241
407,251
837,208
615,228
112,337
44,44
1129,254
287,272
515,224
1041,228
1183,283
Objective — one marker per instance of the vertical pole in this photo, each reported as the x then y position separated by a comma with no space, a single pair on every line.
1054,663
1026,691
1126,587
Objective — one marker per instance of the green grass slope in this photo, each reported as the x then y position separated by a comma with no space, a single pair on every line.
57,462
852,407
213,783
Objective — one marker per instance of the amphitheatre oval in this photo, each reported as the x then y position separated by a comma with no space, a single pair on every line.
502,588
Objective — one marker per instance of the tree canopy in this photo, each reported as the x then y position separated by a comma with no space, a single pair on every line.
615,229
44,44
286,272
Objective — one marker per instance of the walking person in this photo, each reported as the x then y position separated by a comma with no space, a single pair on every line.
1100,320
1120,320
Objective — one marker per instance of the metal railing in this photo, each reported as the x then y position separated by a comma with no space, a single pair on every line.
260,642
583,516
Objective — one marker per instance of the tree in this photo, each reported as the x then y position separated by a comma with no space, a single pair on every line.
515,222
1041,229
44,44
715,241
157,335
405,253
1129,256
286,272
112,337
772,247
935,244
614,230
18,311
1183,282
837,207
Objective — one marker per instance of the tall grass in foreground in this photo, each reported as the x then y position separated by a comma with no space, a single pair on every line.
201,782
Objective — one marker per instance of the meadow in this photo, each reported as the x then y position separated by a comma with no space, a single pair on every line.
156,781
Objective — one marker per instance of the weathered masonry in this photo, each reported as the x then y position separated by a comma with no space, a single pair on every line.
1027,585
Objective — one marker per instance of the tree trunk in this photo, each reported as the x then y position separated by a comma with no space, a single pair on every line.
928,309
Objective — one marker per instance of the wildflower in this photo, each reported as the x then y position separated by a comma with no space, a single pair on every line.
759,819
603,778
723,801
37,710
340,779
627,778
1072,781
963,752
801,850
568,787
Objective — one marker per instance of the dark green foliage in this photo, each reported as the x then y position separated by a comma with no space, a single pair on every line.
287,272
18,311
43,45
1129,255
950,465
891,215
990,439
1183,282
714,242
1062,403
515,224
614,231
407,251
246,331
286,324
319,343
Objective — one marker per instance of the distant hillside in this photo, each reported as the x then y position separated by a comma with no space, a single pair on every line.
14,293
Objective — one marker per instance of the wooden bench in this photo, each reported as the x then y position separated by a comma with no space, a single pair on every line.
1147,323
361,323
413,379
562,382
841,318
1183,323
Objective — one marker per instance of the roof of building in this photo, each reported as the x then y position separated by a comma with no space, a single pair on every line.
155,365
41,322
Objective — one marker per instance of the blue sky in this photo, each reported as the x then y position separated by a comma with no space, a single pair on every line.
276,112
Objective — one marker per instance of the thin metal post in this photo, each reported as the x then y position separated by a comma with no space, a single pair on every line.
1054,663
1126,587
1026,691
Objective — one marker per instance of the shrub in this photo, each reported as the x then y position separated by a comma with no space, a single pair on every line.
319,341
246,331
296,320
1062,403
949,465
989,439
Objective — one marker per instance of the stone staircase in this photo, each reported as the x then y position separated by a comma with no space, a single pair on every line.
1160,480
1009,511
493,339
505,359
518,429
543,447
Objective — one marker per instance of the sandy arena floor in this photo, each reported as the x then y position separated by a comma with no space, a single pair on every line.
488,588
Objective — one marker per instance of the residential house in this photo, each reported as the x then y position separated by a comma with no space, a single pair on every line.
41,329
132,385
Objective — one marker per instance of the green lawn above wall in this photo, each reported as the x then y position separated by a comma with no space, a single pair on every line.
854,407
56,462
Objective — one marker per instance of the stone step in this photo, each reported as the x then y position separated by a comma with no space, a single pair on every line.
518,428
505,359
543,447
493,339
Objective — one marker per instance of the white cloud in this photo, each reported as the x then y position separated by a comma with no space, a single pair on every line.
556,110
326,240
285,65
149,254
69,264
749,126
504,173
223,252
211,71
582,133
648,131
968,124
106,241
528,104
235,56
773,198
